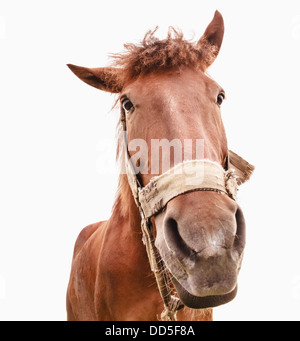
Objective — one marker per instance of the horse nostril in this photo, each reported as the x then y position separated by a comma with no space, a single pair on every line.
239,242
174,241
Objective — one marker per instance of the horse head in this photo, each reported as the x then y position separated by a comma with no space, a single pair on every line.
169,102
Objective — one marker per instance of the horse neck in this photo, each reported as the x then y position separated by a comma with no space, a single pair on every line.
125,209
125,224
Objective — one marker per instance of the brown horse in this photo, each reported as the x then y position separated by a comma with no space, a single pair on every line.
164,94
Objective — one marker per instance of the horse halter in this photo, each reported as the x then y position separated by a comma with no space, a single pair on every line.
152,198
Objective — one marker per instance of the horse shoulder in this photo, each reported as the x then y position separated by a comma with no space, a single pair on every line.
84,236
79,296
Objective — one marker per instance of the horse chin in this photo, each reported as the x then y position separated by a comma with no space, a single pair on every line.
205,284
202,302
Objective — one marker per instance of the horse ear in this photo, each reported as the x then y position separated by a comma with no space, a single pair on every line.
104,78
210,43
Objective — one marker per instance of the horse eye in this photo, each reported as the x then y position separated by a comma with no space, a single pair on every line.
127,105
220,98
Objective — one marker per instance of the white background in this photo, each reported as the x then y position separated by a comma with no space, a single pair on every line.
57,140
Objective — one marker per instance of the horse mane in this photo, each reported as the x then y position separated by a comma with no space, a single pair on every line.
154,55
122,202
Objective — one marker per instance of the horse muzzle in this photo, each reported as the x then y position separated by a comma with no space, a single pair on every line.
201,238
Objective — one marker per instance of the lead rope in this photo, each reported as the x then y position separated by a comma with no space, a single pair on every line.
171,303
